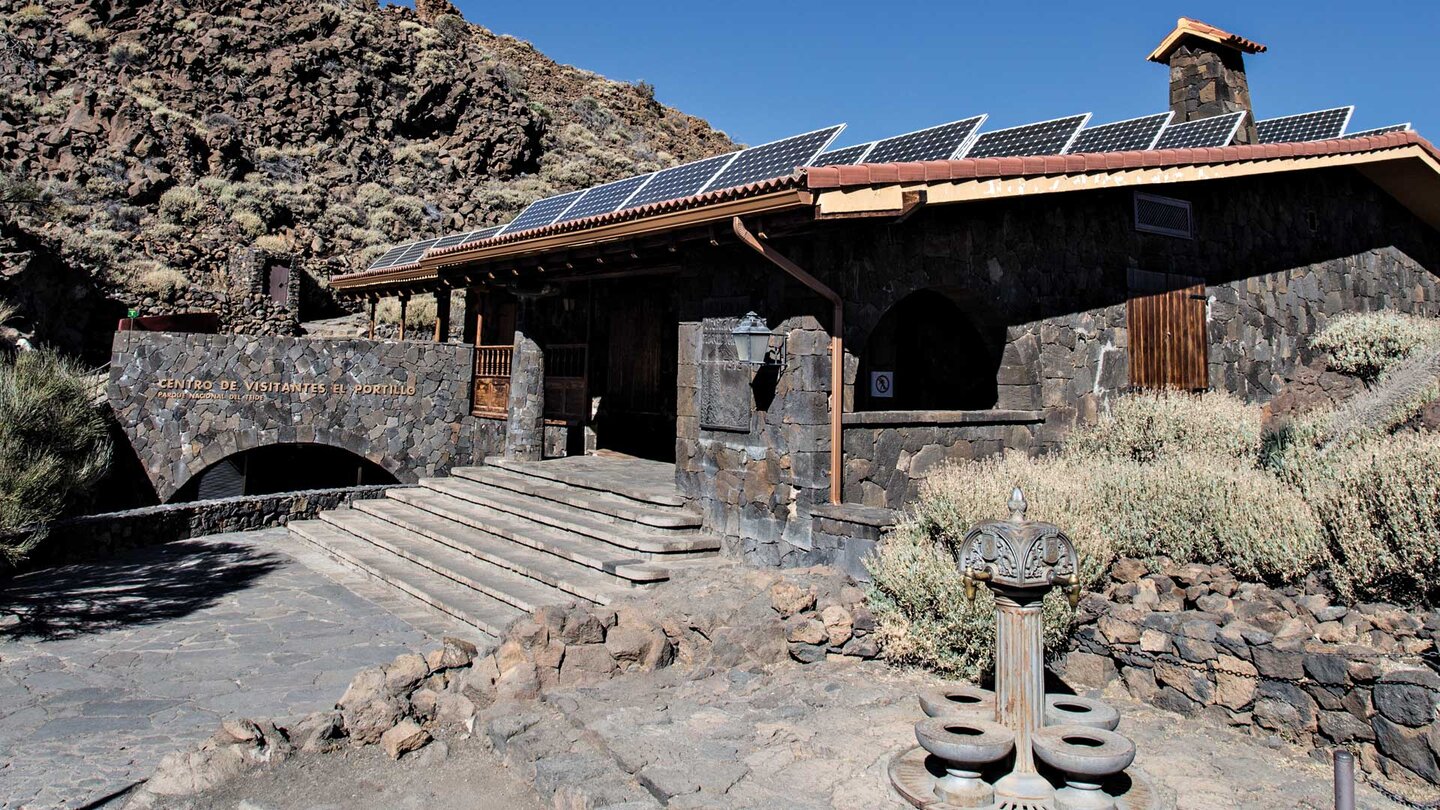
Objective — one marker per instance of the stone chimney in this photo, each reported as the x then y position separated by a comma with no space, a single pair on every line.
1207,73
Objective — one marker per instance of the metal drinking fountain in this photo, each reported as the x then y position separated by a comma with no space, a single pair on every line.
1020,561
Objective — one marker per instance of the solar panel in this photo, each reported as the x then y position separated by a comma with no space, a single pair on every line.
413,252
1217,130
388,258
934,143
483,233
844,156
1320,125
449,241
774,159
1121,136
604,199
1405,127
1042,138
542,212
679,181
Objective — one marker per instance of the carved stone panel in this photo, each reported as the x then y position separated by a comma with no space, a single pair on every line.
725,397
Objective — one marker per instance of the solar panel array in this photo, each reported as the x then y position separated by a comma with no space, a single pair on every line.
1405,127
1121,136
936,143
843,156
956,139
604,199
1217,130
775,159
1043,138
1320,125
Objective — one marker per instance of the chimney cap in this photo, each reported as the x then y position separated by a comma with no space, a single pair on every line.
1186,27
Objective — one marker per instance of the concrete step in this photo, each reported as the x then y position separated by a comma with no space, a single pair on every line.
568,565
646,482
495,581
533,521
489,615
602,504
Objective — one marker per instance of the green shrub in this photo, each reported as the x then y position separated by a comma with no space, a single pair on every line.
419,313
54,444
1381,513
1367,343
1153,425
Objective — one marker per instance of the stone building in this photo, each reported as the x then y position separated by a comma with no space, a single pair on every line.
916,313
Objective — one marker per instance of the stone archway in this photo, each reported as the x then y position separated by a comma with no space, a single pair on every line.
929,352
236,443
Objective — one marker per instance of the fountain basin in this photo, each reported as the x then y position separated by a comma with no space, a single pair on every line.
1073,710
961,699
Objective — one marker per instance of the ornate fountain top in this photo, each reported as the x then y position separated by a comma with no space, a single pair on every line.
1018,555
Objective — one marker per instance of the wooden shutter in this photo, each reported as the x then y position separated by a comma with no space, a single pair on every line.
1168,342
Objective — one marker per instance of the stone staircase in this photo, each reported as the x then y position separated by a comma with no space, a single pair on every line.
491,543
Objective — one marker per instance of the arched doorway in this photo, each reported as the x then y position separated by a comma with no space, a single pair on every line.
282,468
927,353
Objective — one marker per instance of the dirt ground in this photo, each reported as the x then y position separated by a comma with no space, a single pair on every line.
796,737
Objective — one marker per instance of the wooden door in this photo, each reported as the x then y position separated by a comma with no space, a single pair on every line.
1169,347
279,284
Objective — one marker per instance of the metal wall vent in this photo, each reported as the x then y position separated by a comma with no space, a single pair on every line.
1163,215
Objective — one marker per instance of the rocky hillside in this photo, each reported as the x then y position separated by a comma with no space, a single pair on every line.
145,142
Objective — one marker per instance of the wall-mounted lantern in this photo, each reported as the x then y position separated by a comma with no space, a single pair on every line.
752,340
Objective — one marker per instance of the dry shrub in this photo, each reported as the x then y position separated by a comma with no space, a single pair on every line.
1153,425
154,278
419,313
1199,508
1381,513
180,205
1366,344
917,596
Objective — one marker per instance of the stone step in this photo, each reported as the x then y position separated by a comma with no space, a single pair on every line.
570,566
497,582
647,482
603,504
487,614
534,521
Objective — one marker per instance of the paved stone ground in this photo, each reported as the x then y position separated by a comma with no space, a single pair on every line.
112,665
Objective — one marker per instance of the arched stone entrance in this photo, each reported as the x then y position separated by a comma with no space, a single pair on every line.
928,352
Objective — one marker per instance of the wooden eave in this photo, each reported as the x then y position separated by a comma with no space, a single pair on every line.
1409,173
529,250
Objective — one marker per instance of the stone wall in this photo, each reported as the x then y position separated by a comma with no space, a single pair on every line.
102,535
188,401
888,454
1286,662
756,485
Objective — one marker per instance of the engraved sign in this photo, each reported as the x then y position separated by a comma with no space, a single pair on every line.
725,397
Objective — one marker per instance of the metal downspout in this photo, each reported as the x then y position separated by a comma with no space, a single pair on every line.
837,346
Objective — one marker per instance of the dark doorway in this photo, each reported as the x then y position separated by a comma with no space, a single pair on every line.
282,468
927,354
633,368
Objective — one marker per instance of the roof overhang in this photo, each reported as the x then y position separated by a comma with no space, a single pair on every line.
1403,164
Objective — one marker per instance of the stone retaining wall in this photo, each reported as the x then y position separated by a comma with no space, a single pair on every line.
888,454
1192,639
101,535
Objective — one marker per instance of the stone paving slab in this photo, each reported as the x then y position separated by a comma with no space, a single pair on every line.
115,663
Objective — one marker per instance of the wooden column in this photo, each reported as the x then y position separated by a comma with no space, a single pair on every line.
404,307
442,315
373,303
471,332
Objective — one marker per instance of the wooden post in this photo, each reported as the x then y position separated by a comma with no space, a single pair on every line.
471,332
442,315
373,302
404,307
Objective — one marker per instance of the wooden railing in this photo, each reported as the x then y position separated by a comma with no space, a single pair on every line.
492,381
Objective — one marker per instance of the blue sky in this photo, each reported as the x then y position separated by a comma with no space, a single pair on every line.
764,69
